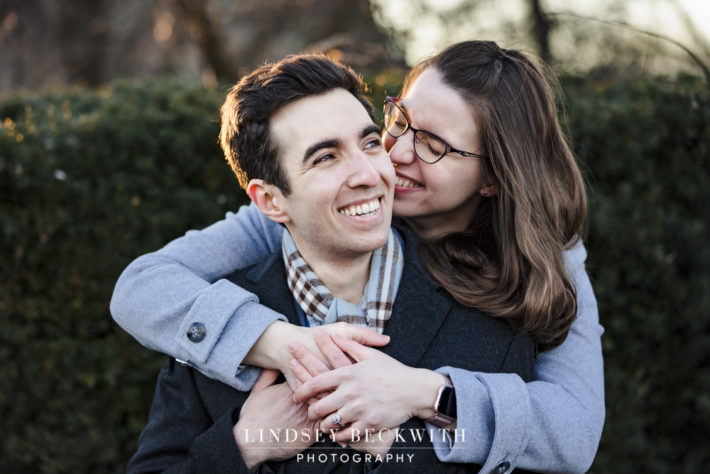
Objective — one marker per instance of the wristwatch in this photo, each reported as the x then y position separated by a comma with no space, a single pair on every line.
444,407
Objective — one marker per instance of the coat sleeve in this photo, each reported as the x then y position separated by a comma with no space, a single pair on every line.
413,452
160,295
180,437
552,423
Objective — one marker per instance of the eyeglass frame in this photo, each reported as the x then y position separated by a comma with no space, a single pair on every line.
447,148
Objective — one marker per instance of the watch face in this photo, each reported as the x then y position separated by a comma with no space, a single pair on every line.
447,402
445,407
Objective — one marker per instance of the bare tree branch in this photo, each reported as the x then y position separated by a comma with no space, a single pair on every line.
541,26
692,29
622,24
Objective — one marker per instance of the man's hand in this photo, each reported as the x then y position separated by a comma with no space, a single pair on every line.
271,407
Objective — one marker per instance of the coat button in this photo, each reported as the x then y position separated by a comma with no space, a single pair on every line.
196,332
501,468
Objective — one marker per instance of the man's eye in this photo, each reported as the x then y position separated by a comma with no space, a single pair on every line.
373,143
323,159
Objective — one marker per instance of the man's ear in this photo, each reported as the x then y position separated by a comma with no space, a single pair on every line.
269,199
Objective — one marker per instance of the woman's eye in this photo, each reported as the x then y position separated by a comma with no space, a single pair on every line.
435,148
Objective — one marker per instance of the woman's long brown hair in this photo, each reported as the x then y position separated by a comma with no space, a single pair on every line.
509,261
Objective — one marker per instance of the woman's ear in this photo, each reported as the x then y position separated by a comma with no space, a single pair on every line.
269,199
489,190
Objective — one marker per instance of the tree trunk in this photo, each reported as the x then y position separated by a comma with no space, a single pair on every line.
541,27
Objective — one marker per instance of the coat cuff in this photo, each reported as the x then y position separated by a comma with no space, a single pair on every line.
230,321
493,418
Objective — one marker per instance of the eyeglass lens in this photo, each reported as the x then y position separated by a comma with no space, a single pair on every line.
395,121
429,148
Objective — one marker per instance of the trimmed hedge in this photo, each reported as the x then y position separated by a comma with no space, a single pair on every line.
646,146
91,179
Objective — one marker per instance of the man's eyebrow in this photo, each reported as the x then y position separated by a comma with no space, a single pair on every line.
332,143
370,129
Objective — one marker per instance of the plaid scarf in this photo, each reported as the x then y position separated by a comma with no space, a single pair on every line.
319,304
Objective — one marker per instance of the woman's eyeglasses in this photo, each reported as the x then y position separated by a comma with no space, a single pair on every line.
428,147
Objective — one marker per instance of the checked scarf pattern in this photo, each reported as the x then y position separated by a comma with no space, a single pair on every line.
319,304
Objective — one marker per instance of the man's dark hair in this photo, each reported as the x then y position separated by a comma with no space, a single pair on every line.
246,113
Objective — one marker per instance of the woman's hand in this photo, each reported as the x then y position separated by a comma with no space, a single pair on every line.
376,393
306,365
271,350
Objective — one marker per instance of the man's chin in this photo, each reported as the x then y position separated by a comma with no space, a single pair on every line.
375,242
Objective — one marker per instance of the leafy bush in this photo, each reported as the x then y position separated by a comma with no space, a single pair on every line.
91,179
646,146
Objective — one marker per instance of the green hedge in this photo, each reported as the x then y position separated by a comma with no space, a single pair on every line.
91,179
646,147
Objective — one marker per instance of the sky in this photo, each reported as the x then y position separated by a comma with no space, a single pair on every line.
657,16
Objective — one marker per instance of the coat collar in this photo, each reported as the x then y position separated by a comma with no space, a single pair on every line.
420,307
269,278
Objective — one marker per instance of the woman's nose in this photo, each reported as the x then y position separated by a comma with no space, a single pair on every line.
402,149
388,140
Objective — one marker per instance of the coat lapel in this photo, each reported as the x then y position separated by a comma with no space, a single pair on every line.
419,309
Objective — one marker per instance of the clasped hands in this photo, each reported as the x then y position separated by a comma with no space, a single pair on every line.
370,391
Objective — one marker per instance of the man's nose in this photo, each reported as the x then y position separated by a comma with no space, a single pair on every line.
363,171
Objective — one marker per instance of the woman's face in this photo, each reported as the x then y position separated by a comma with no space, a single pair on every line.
442,197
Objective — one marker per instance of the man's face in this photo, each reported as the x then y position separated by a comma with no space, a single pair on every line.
341,178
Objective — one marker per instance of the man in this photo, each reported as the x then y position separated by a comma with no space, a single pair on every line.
301,138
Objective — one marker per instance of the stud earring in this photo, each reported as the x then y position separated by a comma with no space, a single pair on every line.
485,193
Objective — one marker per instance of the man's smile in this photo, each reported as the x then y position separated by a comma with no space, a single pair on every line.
366,208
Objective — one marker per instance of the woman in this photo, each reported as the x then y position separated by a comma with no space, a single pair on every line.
486,177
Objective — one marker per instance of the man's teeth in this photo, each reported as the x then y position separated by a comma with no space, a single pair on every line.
404,182
361,209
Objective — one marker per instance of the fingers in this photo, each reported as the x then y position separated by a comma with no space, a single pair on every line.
325,408
321,383
303,375
292,380
307,359
299,371
366,336
326,424
336,357
266,379
353,433
353,349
